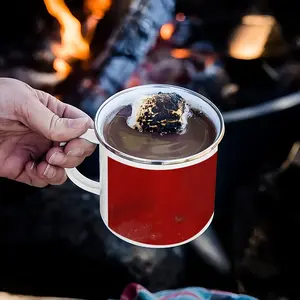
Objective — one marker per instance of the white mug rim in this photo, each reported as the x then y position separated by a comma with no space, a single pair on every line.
194,157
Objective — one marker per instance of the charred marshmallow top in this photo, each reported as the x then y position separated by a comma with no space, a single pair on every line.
163,113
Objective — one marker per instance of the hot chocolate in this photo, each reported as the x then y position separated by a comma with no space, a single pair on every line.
199,134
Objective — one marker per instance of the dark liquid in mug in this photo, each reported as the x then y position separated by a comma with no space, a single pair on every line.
200,133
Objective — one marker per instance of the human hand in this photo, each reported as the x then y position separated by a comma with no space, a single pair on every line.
32,123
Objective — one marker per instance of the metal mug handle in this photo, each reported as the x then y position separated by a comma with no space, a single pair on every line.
76,177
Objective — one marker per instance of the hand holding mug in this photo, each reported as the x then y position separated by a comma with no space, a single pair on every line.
32,123
153,203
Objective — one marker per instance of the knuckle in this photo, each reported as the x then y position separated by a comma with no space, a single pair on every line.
54,128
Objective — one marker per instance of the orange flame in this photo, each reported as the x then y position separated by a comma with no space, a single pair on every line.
97,10
181,53
167,31
73,45
62,68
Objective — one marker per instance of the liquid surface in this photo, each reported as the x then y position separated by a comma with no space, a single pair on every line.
200,133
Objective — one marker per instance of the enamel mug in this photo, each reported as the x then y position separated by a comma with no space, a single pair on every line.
153,203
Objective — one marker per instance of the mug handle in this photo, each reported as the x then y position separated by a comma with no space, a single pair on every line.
75,176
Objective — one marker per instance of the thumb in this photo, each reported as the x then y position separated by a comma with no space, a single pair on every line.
63,129
54,127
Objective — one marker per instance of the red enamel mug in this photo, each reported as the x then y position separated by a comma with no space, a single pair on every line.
154,203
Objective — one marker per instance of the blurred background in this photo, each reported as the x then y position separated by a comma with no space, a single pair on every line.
242,55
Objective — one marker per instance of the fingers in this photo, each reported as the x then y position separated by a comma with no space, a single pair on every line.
52,170
41,175
55,128
30,176
54,119
72,155
51,174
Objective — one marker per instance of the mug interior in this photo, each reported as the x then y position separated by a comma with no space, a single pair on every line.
126,97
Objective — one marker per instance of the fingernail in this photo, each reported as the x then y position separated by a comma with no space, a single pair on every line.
32,166
49,172
78,123
75,152
56,158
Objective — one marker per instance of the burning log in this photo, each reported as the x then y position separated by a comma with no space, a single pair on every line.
126,49
48,62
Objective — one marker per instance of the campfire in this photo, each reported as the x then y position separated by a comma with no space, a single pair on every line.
88,55
75,38
86,43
